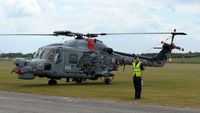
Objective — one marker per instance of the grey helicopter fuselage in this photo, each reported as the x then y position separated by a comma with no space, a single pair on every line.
65,60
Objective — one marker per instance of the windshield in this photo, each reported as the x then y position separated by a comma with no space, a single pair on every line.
45,53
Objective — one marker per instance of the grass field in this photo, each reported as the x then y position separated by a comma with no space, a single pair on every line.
173,85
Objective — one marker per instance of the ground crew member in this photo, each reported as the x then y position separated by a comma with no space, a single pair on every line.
137,77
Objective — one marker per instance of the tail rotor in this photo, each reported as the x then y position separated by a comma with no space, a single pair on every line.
172,45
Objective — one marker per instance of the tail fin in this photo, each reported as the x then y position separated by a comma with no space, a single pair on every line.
160,59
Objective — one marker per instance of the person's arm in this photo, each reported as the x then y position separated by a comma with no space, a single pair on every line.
132,64
142,69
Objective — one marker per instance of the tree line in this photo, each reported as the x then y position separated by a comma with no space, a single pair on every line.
16,55
174,55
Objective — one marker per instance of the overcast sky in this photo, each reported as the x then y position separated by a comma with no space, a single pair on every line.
91,16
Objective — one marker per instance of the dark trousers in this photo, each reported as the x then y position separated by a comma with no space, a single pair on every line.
137,86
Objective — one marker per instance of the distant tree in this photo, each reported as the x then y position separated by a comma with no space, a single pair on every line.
16,55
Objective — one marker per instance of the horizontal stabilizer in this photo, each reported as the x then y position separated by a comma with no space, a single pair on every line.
157,47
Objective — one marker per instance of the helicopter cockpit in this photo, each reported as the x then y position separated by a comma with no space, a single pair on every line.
43,53
52,54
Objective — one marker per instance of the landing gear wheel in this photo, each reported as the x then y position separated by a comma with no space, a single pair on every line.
79,80
52,82
107,81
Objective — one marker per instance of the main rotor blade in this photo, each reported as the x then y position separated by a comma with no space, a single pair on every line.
69,33
173,33
26,34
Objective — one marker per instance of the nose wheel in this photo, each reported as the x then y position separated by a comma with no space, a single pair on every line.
52,82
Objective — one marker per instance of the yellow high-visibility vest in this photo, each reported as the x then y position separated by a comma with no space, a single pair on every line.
136,69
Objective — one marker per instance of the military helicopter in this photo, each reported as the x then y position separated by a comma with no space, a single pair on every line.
83,58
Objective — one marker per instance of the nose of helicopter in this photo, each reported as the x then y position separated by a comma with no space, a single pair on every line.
23,69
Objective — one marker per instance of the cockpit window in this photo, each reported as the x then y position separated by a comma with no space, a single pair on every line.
50,54
57,56
45,53
73,58
37,53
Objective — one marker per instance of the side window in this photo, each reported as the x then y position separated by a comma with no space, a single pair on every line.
73,58
57,56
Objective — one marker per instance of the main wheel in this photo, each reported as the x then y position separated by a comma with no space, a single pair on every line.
52,82
107,81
